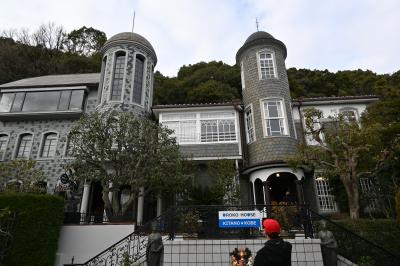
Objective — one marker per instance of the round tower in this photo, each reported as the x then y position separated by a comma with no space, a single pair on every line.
269,126
126,81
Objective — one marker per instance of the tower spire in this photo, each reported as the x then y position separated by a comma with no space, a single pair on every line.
133,20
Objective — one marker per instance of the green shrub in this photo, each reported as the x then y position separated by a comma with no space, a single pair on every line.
39,220
382,232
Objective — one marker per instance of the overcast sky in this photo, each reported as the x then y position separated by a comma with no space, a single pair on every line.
328,34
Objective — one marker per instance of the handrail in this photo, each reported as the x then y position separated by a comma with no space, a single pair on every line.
392,257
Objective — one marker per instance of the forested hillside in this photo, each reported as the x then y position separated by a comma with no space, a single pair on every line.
51,50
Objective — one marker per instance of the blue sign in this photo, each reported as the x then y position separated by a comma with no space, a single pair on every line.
240,223
239,219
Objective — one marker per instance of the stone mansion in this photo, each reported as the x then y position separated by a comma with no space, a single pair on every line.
258,133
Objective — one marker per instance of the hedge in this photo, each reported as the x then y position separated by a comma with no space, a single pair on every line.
39,220
382,232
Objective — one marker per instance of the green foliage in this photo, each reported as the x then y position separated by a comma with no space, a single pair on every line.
224,188
39,220
398,206
43,53
383,232
344,151
85,41
199,83
22,175
125,150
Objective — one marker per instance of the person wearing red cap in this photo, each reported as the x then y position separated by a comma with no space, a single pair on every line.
275,252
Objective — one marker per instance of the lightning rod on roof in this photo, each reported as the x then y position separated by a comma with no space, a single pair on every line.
257,24
133,21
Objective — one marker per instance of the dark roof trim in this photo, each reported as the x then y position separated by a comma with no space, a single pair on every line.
263,165
335,100
194,105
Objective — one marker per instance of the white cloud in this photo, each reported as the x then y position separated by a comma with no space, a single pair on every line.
334,35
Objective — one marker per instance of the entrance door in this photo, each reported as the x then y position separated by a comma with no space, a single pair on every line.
282,187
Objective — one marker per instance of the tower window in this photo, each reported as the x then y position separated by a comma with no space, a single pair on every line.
118,76
138,80
250,133
274,118
3,145
266,65
49,145
24,146
242,75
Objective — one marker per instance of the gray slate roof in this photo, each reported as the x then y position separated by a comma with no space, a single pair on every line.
55,81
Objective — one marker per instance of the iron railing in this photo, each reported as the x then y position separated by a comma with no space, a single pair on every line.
200,222
355,247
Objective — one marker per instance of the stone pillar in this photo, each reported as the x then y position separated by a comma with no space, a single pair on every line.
85,197
139,217
299,190
159,205
267,198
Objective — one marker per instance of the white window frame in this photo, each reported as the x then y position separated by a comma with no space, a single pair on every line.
351,109
18,143
248,138
242,75
198,119
325,200
260,75
143,79
2,156
264,117
110,82
42,143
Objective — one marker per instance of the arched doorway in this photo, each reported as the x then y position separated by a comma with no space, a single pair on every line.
259,191
282,187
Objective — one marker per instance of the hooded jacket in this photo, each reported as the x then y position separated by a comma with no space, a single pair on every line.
275,252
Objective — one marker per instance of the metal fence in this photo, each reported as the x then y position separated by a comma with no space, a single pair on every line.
355,247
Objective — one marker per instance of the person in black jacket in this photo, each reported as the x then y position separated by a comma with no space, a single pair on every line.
275,252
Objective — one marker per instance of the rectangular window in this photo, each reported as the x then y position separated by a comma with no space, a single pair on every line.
266,65
249,121
275,122
42,101
326,199
118,77
24,146
138,80
369,193
49,145
201,127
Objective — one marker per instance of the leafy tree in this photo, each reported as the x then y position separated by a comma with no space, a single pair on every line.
344,151
223,190
85,41
124,151
22,175
386,173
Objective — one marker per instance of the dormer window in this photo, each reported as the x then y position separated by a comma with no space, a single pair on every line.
118,76
138,79
266,65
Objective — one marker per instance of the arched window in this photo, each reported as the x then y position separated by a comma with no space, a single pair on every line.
49,145
3,145
118,76
103,78
138,79
24,146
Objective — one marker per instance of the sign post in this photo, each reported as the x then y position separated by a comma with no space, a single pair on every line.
239,219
